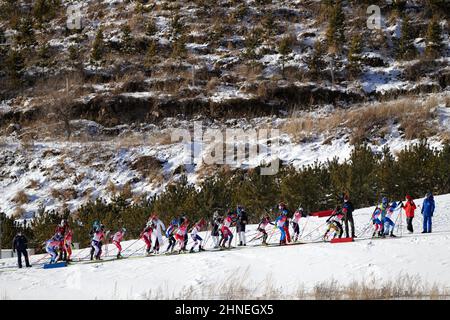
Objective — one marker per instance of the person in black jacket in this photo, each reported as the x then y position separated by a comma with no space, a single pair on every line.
242,220
347,210
20,243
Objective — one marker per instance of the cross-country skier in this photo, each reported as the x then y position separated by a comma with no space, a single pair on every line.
97,243
52,246
283,210
62,229
146,235
377,223
183,220
181,234
389,224
280,223
215,222
117,238
159,228
195,237
335,224
428,207
240,225
67,247
347,210
262,228
170,232
226,235
298,214
383,209
410,207
95,227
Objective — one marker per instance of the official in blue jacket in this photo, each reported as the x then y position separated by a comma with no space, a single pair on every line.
427,212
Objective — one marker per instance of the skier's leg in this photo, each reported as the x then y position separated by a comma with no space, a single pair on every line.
429,224
346,226
264,241
425,218
282,235
229,240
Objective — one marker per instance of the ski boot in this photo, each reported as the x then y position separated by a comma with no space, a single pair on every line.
119,256
200,249
192,250
240,244
392,235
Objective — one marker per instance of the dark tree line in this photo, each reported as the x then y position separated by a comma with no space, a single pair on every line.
366,177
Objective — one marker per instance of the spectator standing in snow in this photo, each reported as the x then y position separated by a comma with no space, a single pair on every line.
428,207
347,210
409,206
20,243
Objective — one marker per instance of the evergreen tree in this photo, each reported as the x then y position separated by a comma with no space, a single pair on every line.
98,47
15,63
406,48
151,56
151,28
316,62
179,48
25,33
335,31
127,40
354,63
284,49
434,39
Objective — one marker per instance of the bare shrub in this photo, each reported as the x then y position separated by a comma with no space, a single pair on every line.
21,198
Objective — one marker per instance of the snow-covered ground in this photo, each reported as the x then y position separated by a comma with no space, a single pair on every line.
286,268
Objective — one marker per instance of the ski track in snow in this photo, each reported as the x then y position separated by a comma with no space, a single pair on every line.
425,255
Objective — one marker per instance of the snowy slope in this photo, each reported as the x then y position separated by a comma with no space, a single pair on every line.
286,268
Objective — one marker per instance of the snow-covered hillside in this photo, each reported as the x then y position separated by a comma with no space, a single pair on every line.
279,270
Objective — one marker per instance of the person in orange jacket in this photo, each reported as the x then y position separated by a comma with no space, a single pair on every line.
409,206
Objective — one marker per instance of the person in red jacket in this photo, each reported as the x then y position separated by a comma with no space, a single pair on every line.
409,206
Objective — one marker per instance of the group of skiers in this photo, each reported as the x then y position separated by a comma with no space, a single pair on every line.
382,217
177,233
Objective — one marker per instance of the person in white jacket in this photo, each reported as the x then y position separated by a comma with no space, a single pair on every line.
159,230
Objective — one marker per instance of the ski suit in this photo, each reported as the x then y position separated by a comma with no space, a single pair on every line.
97,243
240,226
170,235
280,223
285,212
262,228
181,235
335,224
376,220
62,231
68,244
215,231
389,224
184,221
117,238
226,235
146,235
195,237
52,247
428,208
296,224
159,229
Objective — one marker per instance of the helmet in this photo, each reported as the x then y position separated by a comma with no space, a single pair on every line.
63,222
408,198
385,200
300,209
215,214
429,194
124,230
174,222
346,198
281,205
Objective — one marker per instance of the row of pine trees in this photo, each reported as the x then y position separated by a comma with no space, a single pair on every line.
366,177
